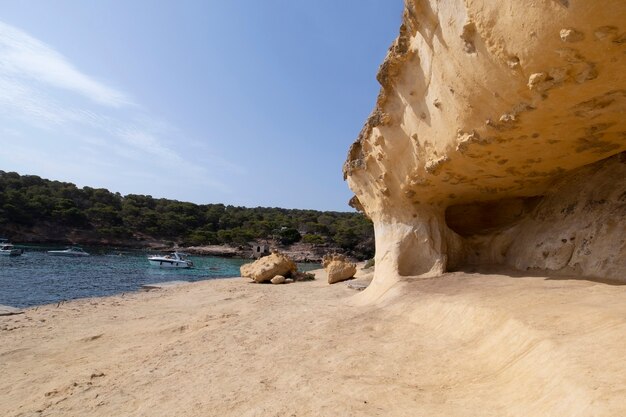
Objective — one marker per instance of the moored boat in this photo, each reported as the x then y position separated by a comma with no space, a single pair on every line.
173,260
74,251
7,249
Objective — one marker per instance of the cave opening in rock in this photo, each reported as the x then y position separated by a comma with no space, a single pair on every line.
486,217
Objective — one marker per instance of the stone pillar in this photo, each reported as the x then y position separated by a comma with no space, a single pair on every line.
414,242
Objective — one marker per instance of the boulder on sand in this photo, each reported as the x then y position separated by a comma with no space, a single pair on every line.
329,257
268,267
338,268
278,279
340,271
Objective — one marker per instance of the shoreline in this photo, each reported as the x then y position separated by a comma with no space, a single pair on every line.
471,344
300,252
38,279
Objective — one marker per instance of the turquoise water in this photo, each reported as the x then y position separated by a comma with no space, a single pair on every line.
37,278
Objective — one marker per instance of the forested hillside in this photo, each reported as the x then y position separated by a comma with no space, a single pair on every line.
28,202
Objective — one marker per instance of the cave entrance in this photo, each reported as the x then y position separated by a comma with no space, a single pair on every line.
488,216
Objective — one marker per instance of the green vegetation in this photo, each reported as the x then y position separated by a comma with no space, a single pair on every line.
29,202
370,263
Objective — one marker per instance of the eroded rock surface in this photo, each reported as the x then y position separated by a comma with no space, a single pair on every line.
338,267
497,137
340,271
268,267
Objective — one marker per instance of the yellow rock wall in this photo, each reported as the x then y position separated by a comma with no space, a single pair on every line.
488,111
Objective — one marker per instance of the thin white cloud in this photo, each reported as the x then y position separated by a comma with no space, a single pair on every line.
94,140
19,100
23,56
146,142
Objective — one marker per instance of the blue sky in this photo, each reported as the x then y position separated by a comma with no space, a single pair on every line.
251,103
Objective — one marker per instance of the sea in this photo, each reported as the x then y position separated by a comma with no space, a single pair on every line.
36,278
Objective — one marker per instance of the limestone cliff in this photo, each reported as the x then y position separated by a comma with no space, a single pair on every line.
497,137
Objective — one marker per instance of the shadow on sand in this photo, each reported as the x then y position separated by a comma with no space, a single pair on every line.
533,273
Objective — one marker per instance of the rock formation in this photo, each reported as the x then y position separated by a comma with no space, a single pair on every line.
498,137
338,267
268,267
340,271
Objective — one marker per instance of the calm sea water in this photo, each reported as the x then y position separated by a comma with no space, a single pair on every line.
37,278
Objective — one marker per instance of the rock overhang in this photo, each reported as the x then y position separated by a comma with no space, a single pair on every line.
484,102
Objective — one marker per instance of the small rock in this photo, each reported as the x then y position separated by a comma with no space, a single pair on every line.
513,62
278,279
536,78
539,82
507,118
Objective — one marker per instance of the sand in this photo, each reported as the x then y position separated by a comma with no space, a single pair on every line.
465,344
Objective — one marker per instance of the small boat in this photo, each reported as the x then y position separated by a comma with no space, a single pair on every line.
173,260
7,249
71,251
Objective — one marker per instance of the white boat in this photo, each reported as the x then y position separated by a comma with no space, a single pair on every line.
71,251
173,260
7,249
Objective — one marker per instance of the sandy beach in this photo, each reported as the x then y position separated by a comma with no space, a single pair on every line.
487,186
465,344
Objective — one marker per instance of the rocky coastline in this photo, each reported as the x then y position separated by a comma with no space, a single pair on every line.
52,235
299,252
